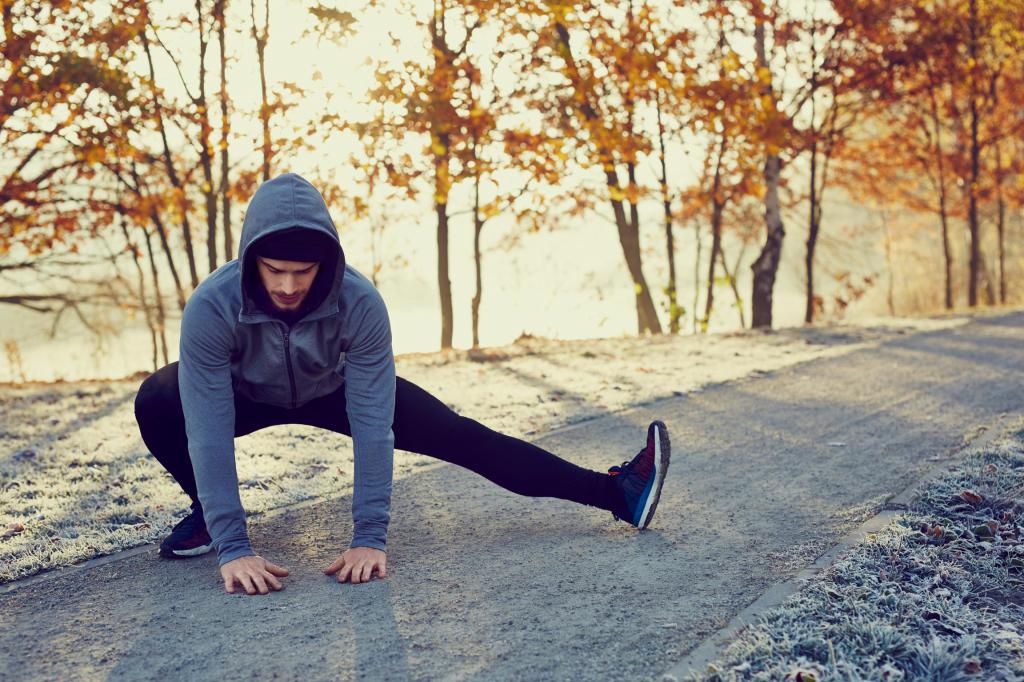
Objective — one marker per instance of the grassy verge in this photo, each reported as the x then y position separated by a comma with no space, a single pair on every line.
936,595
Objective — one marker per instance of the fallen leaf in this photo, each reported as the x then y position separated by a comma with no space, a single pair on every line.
972,666
11,530
970,496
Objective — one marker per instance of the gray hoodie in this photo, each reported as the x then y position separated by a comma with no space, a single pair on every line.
229,344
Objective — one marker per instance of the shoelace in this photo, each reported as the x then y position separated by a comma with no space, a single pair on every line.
624,467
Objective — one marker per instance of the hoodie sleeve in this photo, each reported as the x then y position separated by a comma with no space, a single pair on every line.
208,401
370,400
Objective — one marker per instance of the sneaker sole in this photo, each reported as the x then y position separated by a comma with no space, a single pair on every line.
185,553
662,455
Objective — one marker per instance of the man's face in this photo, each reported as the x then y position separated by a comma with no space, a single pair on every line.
286,281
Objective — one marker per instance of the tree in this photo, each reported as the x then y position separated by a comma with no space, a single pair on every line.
773,137
260,36
58,65
609,61
947,102
428,103
720,112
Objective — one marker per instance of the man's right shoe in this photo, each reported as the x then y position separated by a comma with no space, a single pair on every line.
188,538
640,479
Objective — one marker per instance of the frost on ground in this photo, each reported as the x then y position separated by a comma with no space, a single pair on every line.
936,595
77,482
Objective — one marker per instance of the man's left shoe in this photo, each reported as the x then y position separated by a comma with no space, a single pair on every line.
640,479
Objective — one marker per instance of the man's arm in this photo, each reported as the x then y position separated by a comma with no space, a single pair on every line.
370,399
208,401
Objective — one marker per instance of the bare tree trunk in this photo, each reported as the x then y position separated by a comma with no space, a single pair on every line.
261,38
1000,223
161,318
162,233
986,278
172,175
205,146
696,271
443,281
154,215
972,188
142,288
767,263
717,209
733,284
647,314
890,290
814,219
628,228
674,311
478,225
440,139
813,225
225,129
947,253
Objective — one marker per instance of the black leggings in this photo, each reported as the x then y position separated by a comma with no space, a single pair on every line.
423,424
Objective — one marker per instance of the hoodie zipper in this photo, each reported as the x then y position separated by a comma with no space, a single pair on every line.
288,362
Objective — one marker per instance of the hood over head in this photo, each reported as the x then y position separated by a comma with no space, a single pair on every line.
281,206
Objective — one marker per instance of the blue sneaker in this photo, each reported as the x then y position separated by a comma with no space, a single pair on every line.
640,479
188,538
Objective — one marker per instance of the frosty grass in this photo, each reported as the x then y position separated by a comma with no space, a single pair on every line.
936,595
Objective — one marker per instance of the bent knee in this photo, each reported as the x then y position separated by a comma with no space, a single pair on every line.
158,393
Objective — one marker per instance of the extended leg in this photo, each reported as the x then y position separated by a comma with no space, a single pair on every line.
425,425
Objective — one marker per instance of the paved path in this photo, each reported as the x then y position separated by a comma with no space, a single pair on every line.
486,585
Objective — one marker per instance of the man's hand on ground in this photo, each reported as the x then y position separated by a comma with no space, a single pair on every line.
358,565
254,573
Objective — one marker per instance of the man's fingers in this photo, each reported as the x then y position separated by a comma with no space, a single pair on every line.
274,569
261,584
335,567
344,573
274,582
229,585
246,582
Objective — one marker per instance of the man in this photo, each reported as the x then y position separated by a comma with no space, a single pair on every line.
289,333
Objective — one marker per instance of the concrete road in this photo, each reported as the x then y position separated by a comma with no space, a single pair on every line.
767,473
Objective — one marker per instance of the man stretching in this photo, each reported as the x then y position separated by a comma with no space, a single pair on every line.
289,333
